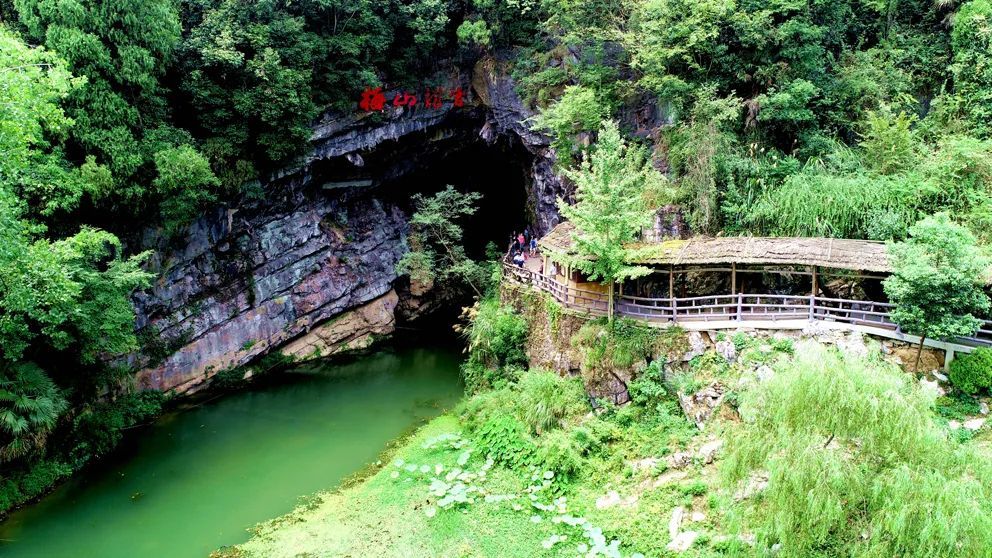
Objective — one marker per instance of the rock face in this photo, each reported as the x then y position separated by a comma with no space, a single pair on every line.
322,241
508,116
355,329
244,285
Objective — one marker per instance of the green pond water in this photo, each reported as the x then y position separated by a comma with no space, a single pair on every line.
195,480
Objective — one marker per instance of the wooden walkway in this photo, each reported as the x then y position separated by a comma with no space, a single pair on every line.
739,310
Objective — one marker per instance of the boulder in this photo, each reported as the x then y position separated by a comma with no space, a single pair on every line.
974,424
853,344
699,406
675,523
697,346
683,541
932,385
727,350
707,452
757,482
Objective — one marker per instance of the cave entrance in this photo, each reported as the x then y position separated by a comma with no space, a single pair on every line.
498,171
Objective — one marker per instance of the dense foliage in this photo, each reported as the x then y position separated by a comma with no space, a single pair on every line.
856,465
437,250
846,118
972,372
497,338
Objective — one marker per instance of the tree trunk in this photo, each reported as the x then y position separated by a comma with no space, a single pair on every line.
919,353
609,305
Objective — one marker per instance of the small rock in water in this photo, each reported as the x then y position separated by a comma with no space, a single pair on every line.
953,424
983,408
940,377
698,516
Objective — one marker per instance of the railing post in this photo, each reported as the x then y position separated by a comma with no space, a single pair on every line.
740,301
812,304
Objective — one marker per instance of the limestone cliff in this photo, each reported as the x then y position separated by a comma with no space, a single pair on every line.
318,239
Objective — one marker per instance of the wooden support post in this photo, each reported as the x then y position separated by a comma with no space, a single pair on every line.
733,278
812,296
671,289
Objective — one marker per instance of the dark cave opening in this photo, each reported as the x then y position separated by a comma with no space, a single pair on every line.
498,172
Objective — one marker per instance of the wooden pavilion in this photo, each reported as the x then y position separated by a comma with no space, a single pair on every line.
817,260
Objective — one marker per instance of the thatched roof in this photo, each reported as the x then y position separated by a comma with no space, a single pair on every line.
857,255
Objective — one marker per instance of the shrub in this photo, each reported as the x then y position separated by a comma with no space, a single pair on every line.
546,400
99,430
24,486
614,346
958,406
497,337
504,438
972,372
558,452
649,386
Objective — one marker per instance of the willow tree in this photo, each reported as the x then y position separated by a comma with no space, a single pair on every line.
937,282
609,210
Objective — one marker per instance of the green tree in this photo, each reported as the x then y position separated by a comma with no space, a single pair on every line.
889,143
249,76
699,152
937,282
856,464
123,48
185,183
578,110
609,210
33,126
436,249
71,294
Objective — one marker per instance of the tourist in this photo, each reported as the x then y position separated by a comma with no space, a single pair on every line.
533,245
514,243
518,258
522,241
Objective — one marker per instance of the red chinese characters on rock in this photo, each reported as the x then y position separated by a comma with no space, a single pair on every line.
373,99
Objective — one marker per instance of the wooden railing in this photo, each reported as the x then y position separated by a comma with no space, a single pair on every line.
735,307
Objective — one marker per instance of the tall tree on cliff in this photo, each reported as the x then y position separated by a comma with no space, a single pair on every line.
938,281
436,251
609,210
